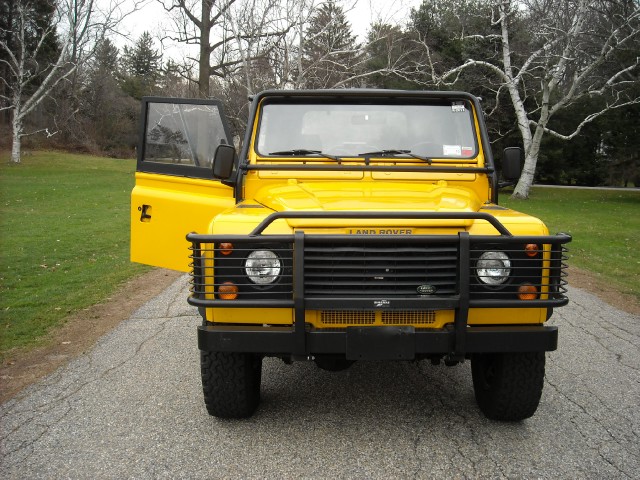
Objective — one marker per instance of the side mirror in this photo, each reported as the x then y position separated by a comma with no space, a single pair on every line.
223,161
511,164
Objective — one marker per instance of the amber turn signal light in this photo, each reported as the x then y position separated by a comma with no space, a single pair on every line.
228,291
527,292
225,248
531,249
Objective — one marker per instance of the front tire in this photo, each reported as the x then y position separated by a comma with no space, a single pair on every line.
332,364
508,386
231,383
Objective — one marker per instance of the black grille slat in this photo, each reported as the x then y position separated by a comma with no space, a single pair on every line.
345,266
368,292
372,249
371,281
400,275
359,261
372,292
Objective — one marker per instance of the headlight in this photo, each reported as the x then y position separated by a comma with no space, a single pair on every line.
262,267
493,268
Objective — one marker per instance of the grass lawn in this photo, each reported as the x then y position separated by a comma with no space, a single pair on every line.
64,239
605,226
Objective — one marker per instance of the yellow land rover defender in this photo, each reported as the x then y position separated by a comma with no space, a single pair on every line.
353,225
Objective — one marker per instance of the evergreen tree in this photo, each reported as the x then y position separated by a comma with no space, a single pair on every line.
172,81
106,58
620,146
108,116
330,56
141,67
453,32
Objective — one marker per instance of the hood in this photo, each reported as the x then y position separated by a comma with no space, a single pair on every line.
368,196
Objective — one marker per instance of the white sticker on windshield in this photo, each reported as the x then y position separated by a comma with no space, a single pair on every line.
457,107
455,150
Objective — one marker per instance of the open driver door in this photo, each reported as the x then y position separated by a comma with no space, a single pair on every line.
175,192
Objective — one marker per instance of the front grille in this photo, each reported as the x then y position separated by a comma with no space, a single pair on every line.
386,268
351,317
406,317
368,317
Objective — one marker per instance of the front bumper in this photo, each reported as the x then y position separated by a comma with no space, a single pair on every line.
376,343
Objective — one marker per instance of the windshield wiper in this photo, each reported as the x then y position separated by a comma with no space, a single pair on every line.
303,152
393,153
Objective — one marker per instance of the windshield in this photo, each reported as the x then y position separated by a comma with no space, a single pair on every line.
435,130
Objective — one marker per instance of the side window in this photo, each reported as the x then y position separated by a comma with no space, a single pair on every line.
180,137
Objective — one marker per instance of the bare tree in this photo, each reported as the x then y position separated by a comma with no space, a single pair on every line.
194,21
228,33
260,28
552,54
260,43
78,25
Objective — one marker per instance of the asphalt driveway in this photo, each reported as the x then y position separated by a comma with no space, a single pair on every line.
132,407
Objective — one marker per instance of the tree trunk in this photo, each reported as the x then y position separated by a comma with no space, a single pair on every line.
204,63
16,144
533,151
203,74
528,172
528,140
526,179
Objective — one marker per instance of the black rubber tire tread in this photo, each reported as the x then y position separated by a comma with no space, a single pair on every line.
508,386
231,383
333,364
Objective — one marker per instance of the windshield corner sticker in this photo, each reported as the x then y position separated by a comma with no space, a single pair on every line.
458,107
467,152
452,150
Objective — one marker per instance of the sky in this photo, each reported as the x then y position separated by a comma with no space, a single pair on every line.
360,14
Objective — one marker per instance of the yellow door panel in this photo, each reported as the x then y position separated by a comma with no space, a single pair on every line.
164,209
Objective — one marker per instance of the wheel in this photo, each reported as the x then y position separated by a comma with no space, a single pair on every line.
508,386
231,383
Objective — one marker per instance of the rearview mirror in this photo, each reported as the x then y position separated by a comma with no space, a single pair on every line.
511,164
223,161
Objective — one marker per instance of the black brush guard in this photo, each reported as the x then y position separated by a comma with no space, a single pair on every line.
370,277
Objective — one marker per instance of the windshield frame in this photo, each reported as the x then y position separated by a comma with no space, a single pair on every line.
388,101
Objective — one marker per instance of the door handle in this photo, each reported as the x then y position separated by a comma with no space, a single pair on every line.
145,213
